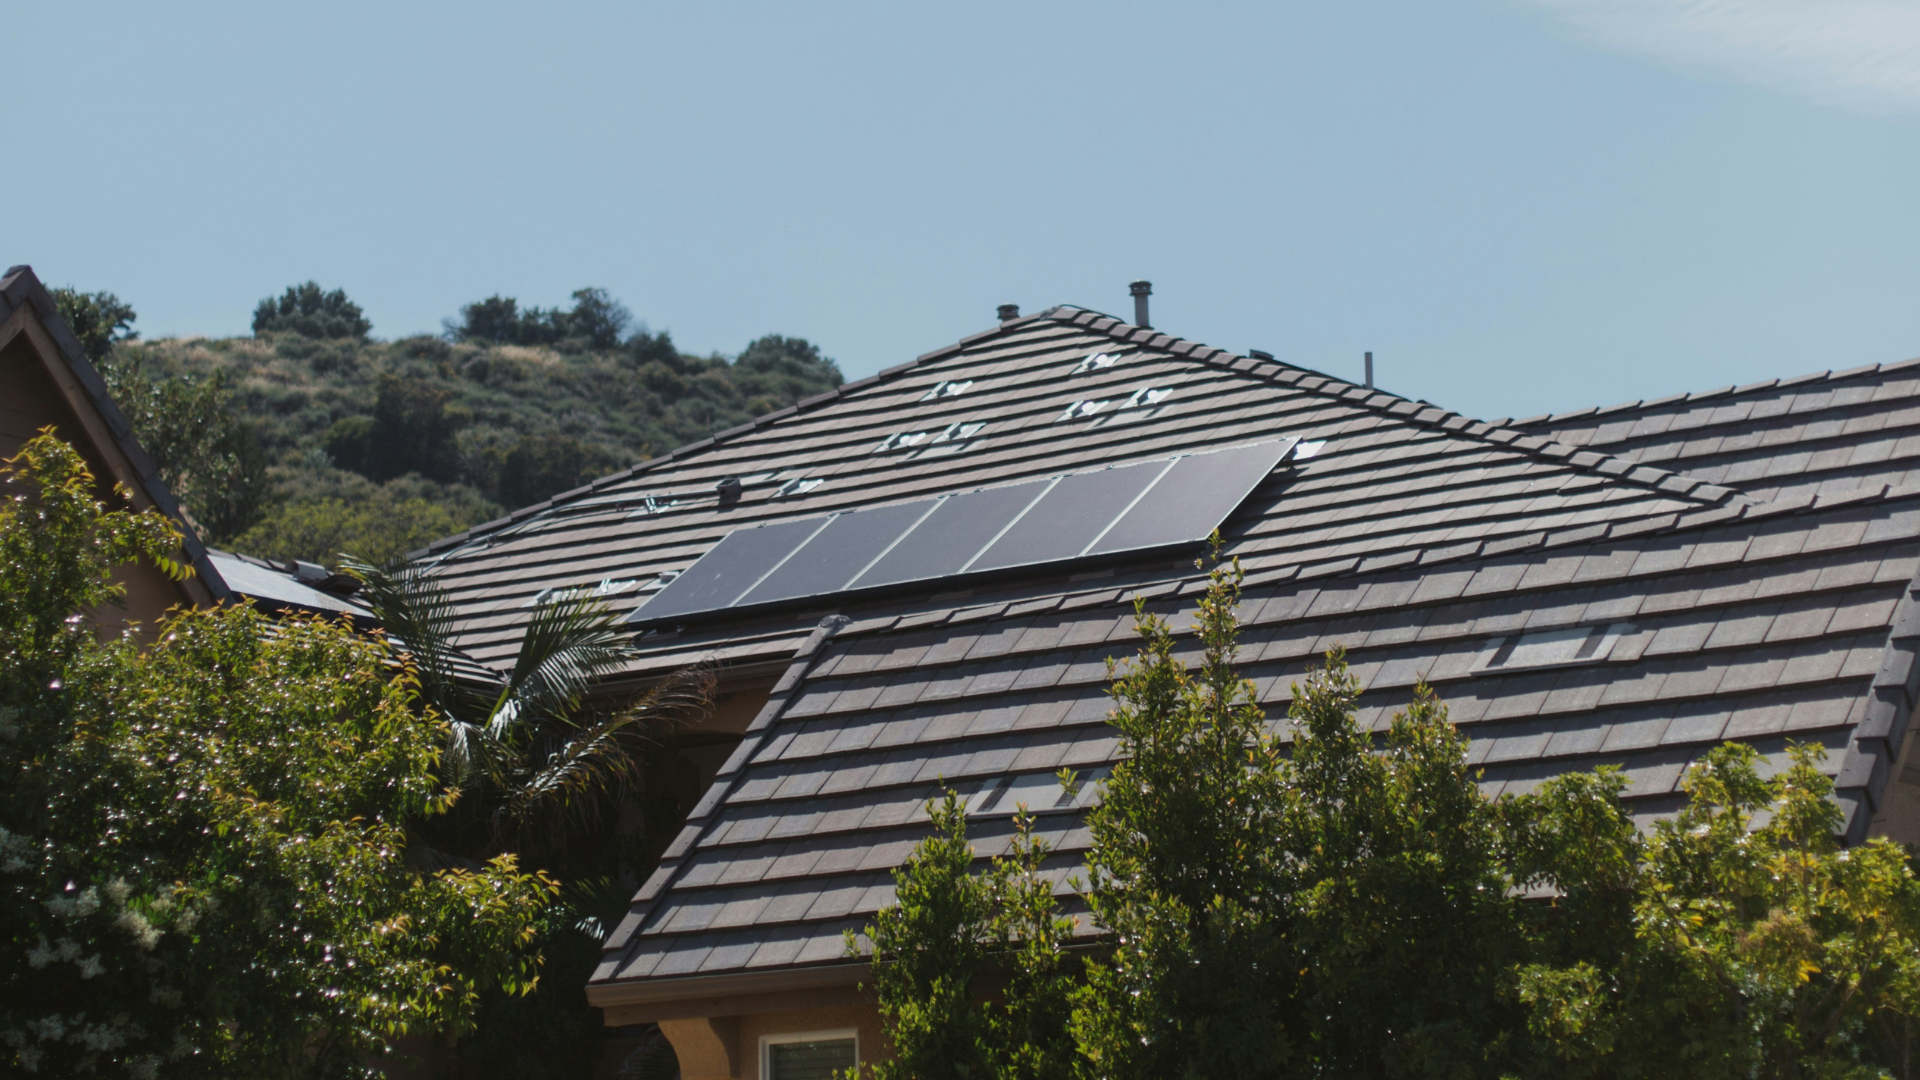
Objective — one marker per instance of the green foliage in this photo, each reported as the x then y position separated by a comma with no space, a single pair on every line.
208,456
1757,949
1329,901
547,777
333,512
950,931
202,839
481,422
411,430
98,319
308,310
597,322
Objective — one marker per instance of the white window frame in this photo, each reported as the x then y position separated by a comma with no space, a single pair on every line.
768,1042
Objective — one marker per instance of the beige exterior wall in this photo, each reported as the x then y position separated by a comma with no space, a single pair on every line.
730,1047
37,392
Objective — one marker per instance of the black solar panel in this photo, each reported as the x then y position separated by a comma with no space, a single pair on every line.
1107,511
1193,498
728,569
952,535
829,561
1068,517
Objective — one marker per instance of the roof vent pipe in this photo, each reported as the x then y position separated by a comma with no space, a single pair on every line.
1009,312
1369,371
1141,290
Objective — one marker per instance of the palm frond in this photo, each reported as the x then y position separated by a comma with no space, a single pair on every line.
474,756
420,616
570,642
589,767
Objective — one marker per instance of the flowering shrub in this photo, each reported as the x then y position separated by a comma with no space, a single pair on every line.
203,833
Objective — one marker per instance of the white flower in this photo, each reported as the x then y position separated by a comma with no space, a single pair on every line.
90,966
145,934
75,907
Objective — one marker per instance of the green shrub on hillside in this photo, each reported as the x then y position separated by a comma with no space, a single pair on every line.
98,319
308,310
511,407
327,512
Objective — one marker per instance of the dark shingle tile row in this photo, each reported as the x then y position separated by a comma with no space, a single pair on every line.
832,798
1022,370
1819,433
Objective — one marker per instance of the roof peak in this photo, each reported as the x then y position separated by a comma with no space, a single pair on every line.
1419,413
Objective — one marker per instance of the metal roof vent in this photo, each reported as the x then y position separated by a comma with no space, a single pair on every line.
1009,312
729,488
1094,362
799,485
1148,395
1141,290
900,440
946,390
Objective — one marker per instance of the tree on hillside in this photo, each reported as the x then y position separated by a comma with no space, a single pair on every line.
98,319
204,855
209,456
309,310
411,430
596,321
1323,900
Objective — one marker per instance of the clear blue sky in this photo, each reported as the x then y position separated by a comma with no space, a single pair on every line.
1518,205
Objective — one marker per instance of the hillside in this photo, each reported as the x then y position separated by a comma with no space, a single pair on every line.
308,438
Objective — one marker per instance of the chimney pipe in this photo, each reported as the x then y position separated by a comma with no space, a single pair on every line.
1141,290
1009,312
1369,371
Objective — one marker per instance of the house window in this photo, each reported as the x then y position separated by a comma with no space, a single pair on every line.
810,1055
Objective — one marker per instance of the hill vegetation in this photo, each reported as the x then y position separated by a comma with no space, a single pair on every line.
310,438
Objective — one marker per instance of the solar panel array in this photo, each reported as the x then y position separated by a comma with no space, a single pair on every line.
1112,511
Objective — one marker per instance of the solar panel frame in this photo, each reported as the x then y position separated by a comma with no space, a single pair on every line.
952,535
1191,489
727,569
1074,512
837,553
1095,514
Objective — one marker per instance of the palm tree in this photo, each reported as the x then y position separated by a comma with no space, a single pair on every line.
540,769
535,758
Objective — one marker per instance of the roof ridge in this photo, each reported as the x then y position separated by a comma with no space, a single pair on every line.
1421,413
1829,375
461,539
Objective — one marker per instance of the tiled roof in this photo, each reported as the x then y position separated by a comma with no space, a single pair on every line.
274,588
1573,608
1397,481
1763,630
1823,433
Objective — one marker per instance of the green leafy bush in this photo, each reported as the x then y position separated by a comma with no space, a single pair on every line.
204,864
1323,900
308,310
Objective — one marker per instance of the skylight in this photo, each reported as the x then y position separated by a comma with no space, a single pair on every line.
1551,648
